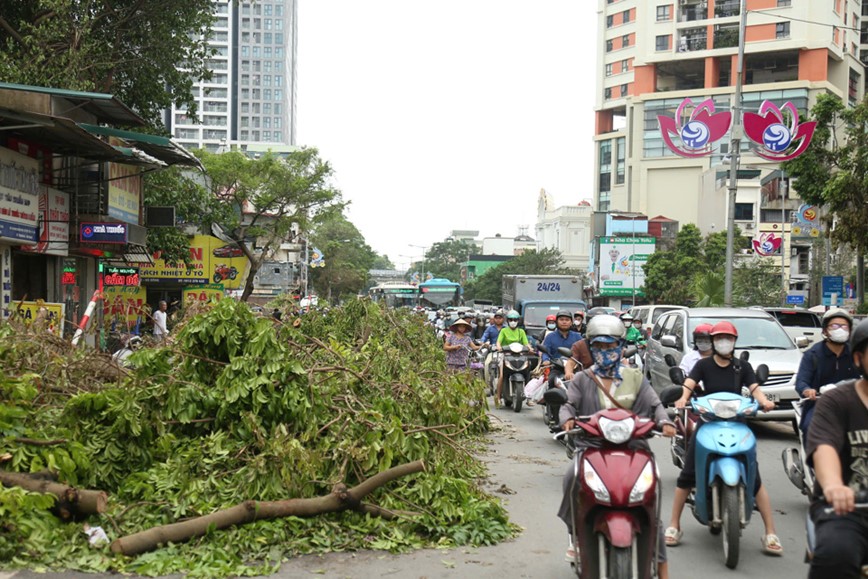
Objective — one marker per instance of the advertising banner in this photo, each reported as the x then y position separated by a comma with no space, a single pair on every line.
124,305
19,197
210,261
621,261
103,233
120,276
124,190
28,312
54,224
203,293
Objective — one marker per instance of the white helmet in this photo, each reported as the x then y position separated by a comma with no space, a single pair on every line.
604,326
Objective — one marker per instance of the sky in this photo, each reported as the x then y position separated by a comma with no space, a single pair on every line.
448,115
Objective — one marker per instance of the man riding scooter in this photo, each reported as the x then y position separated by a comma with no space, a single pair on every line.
563,337
607,384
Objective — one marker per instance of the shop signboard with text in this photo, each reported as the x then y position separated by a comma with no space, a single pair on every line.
125,305
103,233
124,190
53,316
210,261
19,197
53,233
621,261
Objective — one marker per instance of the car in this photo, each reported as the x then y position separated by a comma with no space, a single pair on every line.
231,250
759,334
650,314
799,323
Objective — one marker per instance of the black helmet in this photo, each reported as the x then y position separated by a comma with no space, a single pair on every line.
564,314
859,337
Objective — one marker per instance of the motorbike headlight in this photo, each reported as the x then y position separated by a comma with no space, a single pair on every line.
595,483
725,409
643,483
617,431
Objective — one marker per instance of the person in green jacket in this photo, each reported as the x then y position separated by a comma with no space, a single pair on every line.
634,334
508,335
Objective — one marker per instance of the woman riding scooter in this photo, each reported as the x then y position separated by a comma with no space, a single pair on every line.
605,335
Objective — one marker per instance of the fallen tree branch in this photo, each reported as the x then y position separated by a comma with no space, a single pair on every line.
37,442
70,501
341,498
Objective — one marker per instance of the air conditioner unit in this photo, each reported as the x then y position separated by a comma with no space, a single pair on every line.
749,226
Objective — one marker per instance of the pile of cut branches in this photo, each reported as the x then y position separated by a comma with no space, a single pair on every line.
242,412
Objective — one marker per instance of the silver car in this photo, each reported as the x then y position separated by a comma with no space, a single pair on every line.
759,334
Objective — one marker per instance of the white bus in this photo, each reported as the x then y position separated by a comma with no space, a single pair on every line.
395,294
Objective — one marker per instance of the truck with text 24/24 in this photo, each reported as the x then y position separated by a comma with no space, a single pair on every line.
538,296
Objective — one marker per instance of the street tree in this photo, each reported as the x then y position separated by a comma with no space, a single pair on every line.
382,262
833,173
445,257
260,202
346,255
670,275
129,48
489,286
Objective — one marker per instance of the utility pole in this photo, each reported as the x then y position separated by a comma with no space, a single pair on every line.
735,154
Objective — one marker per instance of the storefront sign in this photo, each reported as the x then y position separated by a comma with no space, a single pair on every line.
29,311
68,275
124,191
120,276
201,294
19,197
103,233
621,261
124,305
53,224
210,261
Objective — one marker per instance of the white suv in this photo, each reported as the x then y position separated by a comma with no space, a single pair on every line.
650,314
759,334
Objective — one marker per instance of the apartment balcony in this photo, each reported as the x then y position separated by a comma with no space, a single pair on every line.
726,8
692,41
690,10
726,37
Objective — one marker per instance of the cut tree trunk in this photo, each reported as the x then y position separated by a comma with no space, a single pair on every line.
340,499
71,501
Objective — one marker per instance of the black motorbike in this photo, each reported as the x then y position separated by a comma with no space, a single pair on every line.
518,363
555,395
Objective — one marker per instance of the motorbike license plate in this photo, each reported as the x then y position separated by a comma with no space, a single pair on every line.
773,397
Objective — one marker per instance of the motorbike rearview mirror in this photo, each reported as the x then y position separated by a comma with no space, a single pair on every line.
542,348
744,356
676,375
565,352
670,360
671,394
802,341
762,374
668,341
629,351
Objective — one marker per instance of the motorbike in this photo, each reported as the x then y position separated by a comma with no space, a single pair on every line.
223,272
476,359
615,497
811,531
518,362
726,467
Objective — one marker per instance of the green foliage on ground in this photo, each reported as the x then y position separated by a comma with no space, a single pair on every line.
239,409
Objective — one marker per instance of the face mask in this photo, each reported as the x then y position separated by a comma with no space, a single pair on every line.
839,335
551,326
638,326
513,325
703,345
724,347
607,362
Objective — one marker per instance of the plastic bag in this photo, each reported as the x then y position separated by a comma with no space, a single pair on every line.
533,389
95,536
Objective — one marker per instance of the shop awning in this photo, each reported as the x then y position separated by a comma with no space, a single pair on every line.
162,148
105,107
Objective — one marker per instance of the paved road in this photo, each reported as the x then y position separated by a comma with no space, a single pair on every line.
526,469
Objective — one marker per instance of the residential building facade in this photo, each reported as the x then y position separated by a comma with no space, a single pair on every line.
251,97
566,228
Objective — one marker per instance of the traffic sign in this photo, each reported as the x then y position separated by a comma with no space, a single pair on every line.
832,284
796,300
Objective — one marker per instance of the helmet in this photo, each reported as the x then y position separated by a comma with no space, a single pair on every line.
498,313
859,337
551,318
723,327
702,330
564,314
626,317
468,315
512,315
836,313
134,343
604,326
580,314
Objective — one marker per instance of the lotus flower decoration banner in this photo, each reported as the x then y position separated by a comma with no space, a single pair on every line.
703,128
767,244
773,139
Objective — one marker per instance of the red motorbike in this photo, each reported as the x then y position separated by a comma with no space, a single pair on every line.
223,272
615,497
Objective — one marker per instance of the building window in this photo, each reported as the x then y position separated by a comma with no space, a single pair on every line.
610,20
662,42
267,9
610,45
278,38
268,23
625,65
267,39
607,93
605,181
782,30
621,144
277,135
744,211
278,24
606,156
626,16
245,51
276,122
624,89
785,3
625,41
608,70
266,135
278,10
664,13
277,108
278,94
266,94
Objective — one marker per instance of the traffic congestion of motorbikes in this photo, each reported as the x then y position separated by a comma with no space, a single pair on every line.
596,377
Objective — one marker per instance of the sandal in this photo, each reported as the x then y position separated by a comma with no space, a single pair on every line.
772,545
672,536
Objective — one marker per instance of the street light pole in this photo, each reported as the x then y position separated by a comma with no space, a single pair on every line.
735,154
424,249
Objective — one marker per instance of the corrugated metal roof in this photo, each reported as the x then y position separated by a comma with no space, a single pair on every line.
162,148
106,107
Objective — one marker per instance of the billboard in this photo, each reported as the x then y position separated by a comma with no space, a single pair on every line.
618,256
211,261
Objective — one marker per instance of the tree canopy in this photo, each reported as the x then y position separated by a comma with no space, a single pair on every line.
488,286
347,258
444,258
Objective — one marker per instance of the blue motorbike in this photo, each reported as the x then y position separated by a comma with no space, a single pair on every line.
726,466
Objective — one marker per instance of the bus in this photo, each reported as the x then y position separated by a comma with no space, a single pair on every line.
440,293
395,294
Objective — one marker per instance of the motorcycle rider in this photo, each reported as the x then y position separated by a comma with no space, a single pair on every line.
490,338
825,362
506,337
579,322
564,337
606,337
837,446
701,348
721,372
634,334
551,326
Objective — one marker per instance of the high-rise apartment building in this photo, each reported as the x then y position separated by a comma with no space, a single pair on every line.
655,53
252,94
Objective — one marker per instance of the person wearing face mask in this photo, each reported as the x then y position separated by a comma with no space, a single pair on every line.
721,372
825,362
634,333
507,336
837,446
628,386
551,327
701,349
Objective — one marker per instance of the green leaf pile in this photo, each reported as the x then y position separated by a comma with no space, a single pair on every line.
238,408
